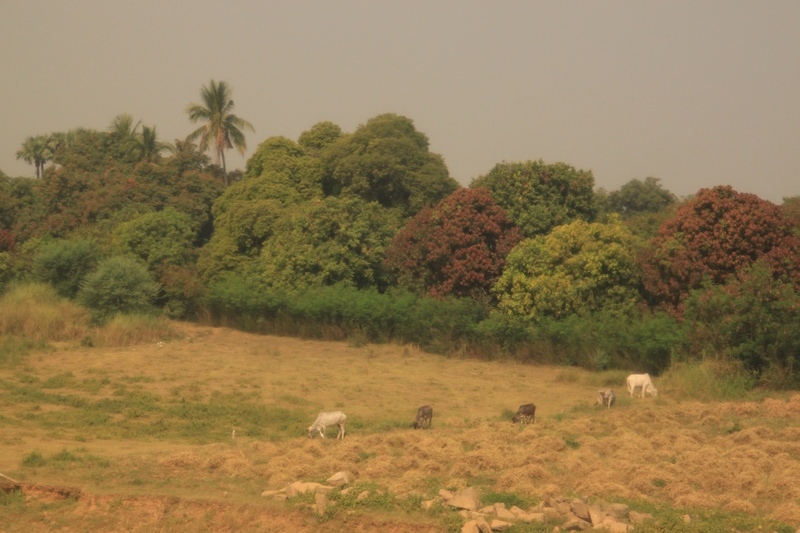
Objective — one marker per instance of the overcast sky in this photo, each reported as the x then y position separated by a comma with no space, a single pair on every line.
696,93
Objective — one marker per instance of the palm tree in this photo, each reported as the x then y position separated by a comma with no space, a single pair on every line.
36,151
147,147
123,128
222,129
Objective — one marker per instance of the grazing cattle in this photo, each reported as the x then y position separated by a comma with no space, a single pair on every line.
606,397
333,418
643,381
424,413
525,412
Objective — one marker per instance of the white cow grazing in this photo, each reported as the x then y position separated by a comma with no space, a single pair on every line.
333,418
643,381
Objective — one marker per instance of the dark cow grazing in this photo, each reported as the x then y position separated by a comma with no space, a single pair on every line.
525,412
423,413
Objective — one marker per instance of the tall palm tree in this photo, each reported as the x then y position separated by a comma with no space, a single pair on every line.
222,129
126,132
36,151
147,147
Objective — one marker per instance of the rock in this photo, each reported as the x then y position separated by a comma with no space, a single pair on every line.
465,499
345,492
687,519
581,510
618,527
322,502
619,509
362,496
470,527
427,504
550,513
576,524
483,525
500,525
503,513
531,517
486,510
595,515
445,494
339,479
464,513
279,497
563,507
8,485
637,518
298,487
271,493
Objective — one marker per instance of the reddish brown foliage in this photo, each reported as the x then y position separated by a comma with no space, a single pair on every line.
7,241
456,248
715,236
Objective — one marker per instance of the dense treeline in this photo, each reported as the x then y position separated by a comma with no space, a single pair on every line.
365,236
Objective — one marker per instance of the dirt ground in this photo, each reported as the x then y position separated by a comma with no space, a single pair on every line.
735,456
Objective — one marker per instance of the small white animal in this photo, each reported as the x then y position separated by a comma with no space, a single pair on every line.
525,412
333,418
606,397
643,381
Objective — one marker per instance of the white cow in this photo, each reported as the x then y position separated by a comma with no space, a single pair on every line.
643,381
333,418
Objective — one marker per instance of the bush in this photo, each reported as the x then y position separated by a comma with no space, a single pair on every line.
36,312
119,285
64,264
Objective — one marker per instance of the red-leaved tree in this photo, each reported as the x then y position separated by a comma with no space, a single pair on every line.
713,237
456,248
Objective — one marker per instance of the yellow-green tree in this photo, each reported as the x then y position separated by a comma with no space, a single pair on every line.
578,268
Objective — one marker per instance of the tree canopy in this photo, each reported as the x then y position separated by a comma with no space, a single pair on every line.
713,237
539,197
578,268
387,161
456,248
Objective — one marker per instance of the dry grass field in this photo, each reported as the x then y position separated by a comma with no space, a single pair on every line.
138,438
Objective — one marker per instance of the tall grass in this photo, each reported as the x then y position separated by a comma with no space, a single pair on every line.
36,312
33,315
707,380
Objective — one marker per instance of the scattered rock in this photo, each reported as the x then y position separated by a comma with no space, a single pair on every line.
362,496
619,509
272,493
445,494
298,487
576,524
595,515
637,518
581,510
339,479
503,513
500,525
470,527
464,499
687,519
483,525
322,502
345,492
531,517
427,504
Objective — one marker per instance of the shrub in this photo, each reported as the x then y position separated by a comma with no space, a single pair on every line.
36,312
119,285
64,264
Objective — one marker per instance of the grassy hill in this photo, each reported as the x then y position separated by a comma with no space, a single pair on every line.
138,438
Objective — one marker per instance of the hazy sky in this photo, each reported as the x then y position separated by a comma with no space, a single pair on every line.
695,93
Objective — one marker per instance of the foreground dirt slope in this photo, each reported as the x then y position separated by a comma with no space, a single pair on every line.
736,456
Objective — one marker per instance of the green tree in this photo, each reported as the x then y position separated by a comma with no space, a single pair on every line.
147,147
222,129
160,239
539,197
387,161
636,197
327,242
577,268
36,151
65,263
319,137
119,285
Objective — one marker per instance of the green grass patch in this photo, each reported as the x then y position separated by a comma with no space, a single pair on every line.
509,498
